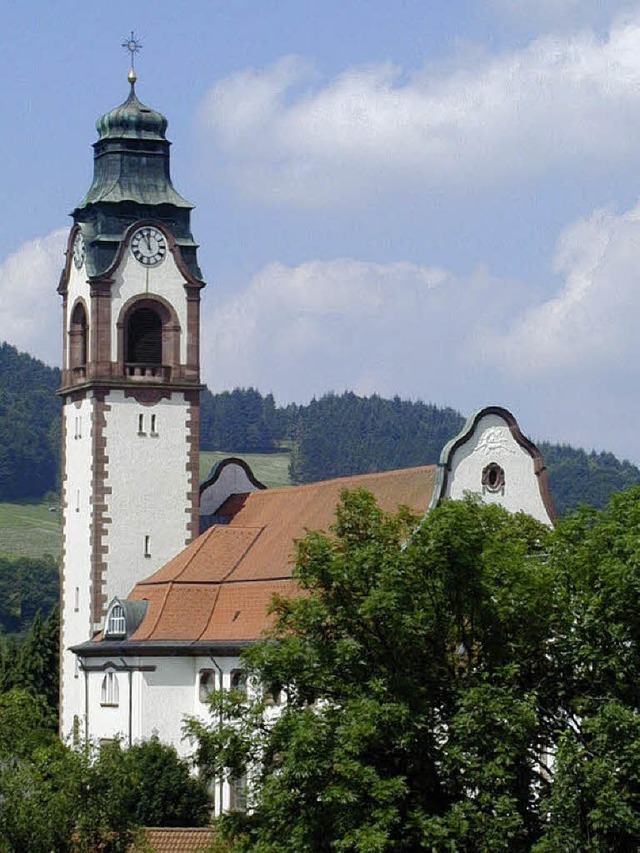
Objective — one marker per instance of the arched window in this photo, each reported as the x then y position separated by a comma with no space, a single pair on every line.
110,694
207,684
238,681
78,339
116,622
144,337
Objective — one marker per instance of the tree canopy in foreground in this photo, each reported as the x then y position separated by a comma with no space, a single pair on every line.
77,800
468,684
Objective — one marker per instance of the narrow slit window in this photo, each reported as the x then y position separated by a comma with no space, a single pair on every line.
153,425
76,605
80,426
147,546
141,424
77,500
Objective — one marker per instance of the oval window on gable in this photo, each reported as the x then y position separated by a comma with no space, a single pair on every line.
493,478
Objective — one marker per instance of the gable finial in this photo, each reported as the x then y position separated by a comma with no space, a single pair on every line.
133,45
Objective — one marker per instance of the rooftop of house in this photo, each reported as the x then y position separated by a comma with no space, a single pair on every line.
214,596
217,591
174,840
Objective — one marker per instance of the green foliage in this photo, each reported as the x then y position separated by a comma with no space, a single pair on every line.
29,620
594,804
417,677
29,435
345,434
241,420
31,663
151,785
53,797
26,587
40,779
334,436
577,477
469,685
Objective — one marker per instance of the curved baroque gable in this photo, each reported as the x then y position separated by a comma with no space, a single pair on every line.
493,459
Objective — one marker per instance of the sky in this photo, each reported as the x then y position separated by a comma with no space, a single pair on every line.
434,200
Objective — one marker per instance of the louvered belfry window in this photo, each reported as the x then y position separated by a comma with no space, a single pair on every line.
144,337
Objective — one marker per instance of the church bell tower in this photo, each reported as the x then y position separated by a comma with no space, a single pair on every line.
130,379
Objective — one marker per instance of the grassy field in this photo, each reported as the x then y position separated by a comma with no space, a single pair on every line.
272,469
29,530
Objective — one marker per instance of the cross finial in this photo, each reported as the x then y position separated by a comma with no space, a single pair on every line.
133,45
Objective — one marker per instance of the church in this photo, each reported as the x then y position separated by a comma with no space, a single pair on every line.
164,582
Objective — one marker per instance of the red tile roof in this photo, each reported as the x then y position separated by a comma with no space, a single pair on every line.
175,840
219,587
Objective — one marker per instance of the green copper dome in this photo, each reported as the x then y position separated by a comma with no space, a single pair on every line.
131,159
131,181
132,120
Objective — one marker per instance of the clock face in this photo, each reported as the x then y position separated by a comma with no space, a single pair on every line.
148,246
78,250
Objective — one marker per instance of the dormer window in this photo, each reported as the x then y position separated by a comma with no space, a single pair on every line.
116,622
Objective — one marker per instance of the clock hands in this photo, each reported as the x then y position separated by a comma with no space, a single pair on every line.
148,246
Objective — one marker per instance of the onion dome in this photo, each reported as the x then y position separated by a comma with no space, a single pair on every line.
132,120
131,181
131,158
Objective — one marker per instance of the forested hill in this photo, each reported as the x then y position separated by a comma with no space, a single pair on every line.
29,426
336,435
346,434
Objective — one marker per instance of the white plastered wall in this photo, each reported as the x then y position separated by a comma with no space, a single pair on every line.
134,279
77,507
165,692
492,441
232,480
149,483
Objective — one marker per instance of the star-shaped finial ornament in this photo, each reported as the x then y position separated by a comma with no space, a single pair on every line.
133,45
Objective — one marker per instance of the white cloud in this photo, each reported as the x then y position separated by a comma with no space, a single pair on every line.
561,102
564,366
348,324
591,324
536,14
29,303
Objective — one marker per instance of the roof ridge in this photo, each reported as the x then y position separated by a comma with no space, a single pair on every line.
362,476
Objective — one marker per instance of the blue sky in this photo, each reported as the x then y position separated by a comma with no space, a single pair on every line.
438,200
